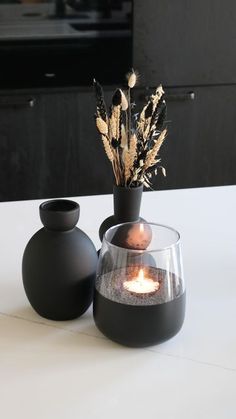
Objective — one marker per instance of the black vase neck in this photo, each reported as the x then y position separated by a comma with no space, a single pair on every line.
59,214
127,202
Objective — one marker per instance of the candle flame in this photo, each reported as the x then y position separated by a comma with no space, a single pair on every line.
141,284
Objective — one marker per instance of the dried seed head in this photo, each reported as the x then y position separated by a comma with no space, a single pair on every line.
112,125
126,160
101,106
124,101
132,79
107,148
159,90
101,126
123,136
163,171
129,156
114,122
133,147
151,158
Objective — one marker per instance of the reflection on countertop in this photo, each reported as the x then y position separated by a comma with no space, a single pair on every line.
41,50
26,22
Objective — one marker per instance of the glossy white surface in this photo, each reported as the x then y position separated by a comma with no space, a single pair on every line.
69,370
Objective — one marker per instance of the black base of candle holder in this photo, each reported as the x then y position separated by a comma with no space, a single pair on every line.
138,325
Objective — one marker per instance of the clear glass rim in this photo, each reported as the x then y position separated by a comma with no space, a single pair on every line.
162,249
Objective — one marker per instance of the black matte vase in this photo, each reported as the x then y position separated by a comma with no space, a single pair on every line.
127,202
59,263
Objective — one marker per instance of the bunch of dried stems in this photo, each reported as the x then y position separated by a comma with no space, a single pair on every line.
132,142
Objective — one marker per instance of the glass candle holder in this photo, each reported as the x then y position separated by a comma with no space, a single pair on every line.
139,297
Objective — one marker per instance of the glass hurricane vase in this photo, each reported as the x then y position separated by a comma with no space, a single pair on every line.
139,297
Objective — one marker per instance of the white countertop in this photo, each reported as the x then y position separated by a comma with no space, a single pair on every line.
69,370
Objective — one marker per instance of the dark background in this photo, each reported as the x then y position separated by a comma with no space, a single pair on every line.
49,146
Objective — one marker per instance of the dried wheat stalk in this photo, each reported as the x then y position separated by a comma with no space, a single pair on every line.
101,106
108,148
152,154
101,126
132,148
130,155
123,143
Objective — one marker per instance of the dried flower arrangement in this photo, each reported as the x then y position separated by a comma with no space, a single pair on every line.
132,142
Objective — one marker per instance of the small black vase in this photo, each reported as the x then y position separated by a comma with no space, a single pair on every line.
59,263
127,202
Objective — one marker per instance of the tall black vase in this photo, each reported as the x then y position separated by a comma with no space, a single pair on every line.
127,202
59,263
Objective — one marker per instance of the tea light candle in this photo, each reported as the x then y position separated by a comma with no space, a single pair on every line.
141,285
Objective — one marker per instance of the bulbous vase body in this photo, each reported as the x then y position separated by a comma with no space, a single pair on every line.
59,264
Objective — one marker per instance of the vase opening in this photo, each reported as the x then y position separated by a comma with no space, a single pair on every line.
59,214
59,205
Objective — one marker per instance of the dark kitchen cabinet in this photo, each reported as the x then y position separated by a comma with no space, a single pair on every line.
185,42
49,146
95,171
200,149
50,51
189,46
